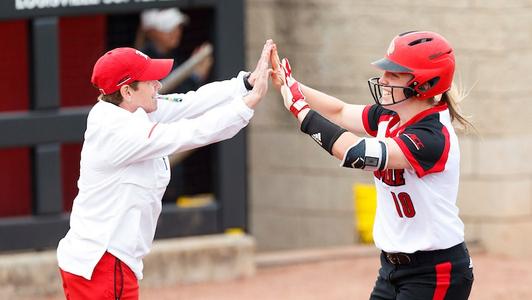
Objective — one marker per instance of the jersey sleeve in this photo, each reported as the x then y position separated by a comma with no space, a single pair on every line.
372,115
135,139
426,147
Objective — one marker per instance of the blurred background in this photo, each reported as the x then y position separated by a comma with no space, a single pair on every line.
270,184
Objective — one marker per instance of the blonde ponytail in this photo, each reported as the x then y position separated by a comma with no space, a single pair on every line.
453,97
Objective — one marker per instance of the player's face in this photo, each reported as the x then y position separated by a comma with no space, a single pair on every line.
145,95
393,79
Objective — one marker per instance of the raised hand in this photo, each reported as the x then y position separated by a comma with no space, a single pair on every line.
294,100
253,76
261,74
294,85
277,74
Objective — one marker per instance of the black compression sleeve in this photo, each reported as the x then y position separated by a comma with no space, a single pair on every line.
323,131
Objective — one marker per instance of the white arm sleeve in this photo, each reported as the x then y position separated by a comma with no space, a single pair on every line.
139,139
195,103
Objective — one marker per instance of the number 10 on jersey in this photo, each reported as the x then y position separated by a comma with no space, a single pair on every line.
403,205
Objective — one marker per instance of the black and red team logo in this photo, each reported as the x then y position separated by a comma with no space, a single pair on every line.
391,177
415,140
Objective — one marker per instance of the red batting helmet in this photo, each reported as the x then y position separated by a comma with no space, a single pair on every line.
426,55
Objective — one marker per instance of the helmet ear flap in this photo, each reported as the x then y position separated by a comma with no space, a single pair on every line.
409,92
429,84
420,89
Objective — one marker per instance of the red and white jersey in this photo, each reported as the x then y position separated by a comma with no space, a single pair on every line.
416,208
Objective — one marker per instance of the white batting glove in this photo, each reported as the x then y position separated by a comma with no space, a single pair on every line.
294,100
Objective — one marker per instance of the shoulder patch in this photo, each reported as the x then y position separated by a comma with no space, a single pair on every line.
412,137
425,145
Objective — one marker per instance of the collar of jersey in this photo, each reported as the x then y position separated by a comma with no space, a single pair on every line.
420,116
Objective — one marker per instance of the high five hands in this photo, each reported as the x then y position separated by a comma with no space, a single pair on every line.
282,80
259,77
290,89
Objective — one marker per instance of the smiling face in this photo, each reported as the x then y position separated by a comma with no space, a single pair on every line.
391,83
143,97
146,95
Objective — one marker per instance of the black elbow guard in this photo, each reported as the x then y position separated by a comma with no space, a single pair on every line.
323,131
368,154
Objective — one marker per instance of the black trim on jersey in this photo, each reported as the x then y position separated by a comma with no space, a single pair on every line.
423,139
425,144
373,115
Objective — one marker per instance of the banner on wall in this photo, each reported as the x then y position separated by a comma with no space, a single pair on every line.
16,9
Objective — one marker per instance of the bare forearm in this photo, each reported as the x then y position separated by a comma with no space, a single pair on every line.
328,106
346,115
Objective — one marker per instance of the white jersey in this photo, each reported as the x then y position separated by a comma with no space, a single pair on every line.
124,170
416,208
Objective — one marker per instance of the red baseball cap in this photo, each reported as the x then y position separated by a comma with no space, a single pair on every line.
123,66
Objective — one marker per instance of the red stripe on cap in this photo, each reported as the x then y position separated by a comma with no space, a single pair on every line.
151,130
443,280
